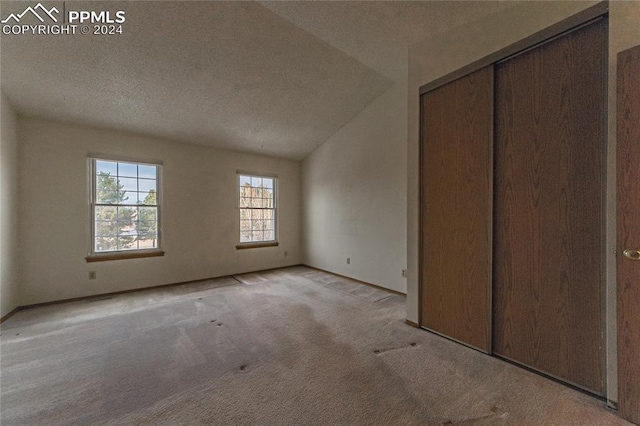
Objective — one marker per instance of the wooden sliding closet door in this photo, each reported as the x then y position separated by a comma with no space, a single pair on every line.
547,295
456,188
628,165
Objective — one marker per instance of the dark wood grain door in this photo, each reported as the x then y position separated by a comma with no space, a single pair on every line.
456,203
548,223
628,247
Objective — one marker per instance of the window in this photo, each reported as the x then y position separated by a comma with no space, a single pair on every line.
257,210
125,210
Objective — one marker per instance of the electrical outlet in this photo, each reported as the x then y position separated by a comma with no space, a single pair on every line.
92,275
404,273
285,254
348,261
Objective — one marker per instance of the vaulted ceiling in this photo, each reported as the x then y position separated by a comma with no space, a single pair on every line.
275,78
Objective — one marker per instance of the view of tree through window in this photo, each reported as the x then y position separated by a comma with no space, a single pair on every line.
125,206
257,209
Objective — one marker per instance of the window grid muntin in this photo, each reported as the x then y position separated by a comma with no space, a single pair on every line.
129,239
258,210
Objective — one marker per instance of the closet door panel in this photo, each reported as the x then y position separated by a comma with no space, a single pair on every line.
456,198
548,223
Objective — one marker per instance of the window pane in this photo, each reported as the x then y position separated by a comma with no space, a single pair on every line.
127,170
149,233
128,184
256,214
108,192
127,243
147,230
106,189
267,203
151,198
105,244
116,225
107,167
146,198
127,231
146,185
106,228
257,208
147,214
146,222
125,220
107,197
106,213
146,226
148,172
148,243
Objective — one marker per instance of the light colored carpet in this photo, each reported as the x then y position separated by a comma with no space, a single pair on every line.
289,347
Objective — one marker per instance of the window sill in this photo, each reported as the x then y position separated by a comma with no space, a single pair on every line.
121,255
243,246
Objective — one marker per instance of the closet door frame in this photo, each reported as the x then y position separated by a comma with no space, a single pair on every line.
585,17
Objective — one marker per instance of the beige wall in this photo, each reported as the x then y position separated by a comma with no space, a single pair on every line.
9,290
200,218
354,196
439,56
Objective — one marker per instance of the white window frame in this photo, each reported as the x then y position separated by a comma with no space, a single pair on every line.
96,256
255,244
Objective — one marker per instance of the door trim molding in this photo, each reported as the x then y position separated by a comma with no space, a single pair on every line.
596,13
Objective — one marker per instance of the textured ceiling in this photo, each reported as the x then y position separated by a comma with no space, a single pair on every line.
271,78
